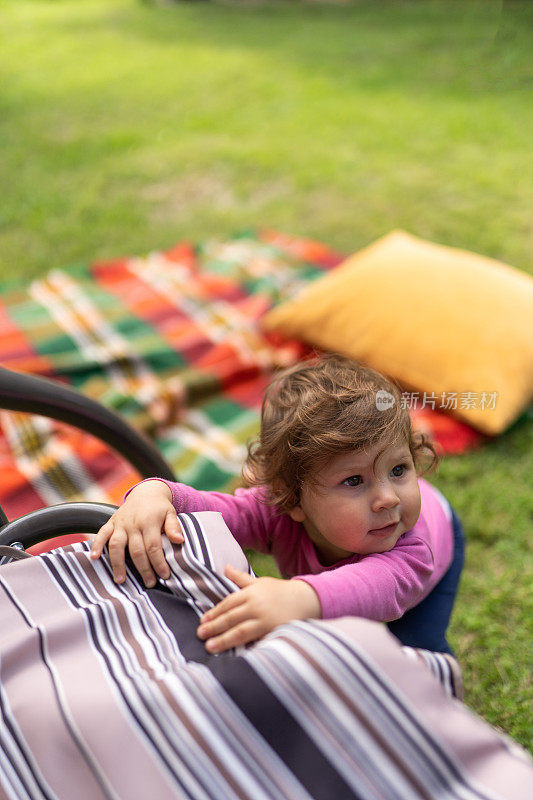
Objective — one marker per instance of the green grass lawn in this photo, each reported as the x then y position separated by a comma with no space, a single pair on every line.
126,126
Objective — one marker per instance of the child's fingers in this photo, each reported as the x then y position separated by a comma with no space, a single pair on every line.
229,602
224,622
153,547
103,535
116,547
242,579
241,634
139,556
172,527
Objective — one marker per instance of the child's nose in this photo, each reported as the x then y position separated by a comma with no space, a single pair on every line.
385,497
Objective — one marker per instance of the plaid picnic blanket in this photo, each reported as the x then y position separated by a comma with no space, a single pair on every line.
172,342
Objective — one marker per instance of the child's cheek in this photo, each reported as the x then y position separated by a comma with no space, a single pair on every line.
416,506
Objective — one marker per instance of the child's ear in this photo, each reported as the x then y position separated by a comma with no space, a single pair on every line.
297,514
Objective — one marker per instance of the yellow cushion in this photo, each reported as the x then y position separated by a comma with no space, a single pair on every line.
436,319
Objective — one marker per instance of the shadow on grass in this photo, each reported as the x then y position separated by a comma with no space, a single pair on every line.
440,45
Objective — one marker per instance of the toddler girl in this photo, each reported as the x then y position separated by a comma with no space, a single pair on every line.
333,494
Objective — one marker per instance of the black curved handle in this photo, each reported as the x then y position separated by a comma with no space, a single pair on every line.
60,520
36,395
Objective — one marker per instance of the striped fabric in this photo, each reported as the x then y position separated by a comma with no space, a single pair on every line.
172,342
443,666
106,692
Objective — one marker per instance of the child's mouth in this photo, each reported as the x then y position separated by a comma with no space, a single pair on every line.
388,530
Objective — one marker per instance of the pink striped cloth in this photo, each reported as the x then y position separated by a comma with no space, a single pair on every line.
106,692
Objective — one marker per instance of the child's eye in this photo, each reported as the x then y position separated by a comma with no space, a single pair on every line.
353,480
398,470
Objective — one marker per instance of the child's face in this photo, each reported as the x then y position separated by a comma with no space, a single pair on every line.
359,507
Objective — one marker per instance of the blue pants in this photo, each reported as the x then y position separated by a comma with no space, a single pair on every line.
425,625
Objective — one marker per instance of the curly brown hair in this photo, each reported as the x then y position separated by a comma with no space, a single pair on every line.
319,409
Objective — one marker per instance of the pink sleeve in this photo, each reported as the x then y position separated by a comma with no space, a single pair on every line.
249,520
381,586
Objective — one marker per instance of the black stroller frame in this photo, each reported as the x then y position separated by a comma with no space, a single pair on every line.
37,395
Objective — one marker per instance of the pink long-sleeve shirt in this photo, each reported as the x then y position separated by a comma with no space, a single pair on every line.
380,586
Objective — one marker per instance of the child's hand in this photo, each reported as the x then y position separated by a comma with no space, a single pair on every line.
138,523
261,605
